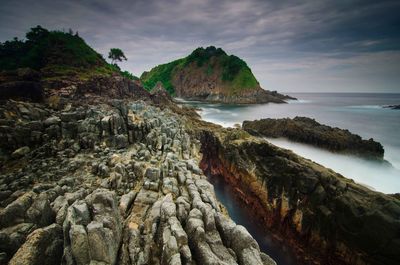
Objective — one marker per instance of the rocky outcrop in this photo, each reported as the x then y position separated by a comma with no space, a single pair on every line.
309,131
30,85
395,107
111,183
122,182
21,84
209,74
324,217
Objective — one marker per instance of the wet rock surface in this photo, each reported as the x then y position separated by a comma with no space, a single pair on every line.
324,217
115,183
309,131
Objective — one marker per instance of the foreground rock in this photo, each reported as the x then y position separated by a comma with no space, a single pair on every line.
119,183
326,218
309,131
115,183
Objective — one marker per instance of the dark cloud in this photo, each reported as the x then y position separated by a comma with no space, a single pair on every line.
290,45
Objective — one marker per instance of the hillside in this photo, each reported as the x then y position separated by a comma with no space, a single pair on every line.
210,75
56,63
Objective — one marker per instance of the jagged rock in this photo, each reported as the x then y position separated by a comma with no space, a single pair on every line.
20,152
126,202
103,246
42,247
54,120
15,212
167,212
79,244
309,131
40,211
103,170
281,187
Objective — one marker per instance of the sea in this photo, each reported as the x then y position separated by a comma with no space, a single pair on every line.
360,113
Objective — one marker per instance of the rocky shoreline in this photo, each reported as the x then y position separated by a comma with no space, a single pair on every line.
115,183
324,217
309,131
119,179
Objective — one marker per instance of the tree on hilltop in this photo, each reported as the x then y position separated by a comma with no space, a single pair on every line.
116,54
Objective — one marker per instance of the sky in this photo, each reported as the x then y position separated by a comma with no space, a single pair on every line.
291,46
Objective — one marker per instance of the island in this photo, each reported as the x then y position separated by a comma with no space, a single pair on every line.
209,74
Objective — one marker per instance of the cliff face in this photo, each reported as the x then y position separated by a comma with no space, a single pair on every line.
306,130
110,183
211,75
326,218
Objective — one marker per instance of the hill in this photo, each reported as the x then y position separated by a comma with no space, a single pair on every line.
210,74
57,64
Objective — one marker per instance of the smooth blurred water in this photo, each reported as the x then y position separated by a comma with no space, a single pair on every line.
240,213
361,113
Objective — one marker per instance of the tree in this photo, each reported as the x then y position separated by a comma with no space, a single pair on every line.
116,54
36,33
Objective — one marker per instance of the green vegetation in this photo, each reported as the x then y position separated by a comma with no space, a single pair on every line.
129,75
43,48
234,72
57,55
161,73
201,55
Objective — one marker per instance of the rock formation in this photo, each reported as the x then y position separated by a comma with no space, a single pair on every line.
211,75
326,218
309,131
113,183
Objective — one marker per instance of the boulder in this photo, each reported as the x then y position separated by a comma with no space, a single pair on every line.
21,152
44,246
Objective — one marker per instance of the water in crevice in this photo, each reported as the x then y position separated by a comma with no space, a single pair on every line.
239,213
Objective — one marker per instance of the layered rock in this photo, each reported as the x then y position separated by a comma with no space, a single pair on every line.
120,183
112,183
324,217
309,131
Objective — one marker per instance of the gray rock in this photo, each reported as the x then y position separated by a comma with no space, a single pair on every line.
126,202
152,174
21,152
40,212
52,121
102,243
121,141
42,247
15,212
103,170
79,244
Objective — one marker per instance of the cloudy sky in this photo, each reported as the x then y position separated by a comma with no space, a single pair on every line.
291,46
